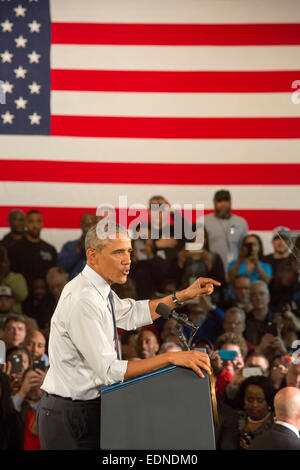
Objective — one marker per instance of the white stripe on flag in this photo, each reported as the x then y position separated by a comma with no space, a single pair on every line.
99,57
176,11
173,104
152,150
92,195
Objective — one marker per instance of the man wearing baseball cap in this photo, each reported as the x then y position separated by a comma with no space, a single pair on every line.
281,248
225,230
6,303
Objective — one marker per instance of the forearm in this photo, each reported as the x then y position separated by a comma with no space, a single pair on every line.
202,286
144,366
182,296
234,271
263,275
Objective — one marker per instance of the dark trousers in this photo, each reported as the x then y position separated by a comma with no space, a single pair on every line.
66,424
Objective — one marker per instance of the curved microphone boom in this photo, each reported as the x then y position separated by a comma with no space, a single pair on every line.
166,312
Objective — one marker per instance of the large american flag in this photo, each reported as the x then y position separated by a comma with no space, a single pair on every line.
140,97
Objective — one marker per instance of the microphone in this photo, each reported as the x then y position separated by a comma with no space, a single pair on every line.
166,312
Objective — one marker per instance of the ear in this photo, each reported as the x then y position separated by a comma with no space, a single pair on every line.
90,256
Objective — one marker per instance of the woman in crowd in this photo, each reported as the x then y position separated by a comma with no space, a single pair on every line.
253,414
249,261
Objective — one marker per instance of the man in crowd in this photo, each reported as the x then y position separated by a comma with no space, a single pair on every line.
234,321
280,246
241,293
14,331
16,221
147,344
15,281
225,230
284,433
259,317
72,256
56,278
32,256
35,342
6,304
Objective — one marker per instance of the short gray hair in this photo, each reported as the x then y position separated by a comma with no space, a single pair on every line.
262,284
98,235
236,310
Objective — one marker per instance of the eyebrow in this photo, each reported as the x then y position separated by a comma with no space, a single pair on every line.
121,250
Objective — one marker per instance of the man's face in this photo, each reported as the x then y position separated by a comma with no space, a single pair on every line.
34,224
6,303
235,364
241,289
113,261
222,208
147,345
17,222
280,246
56,283
39,288
293,376
233,323
87,221
14,333
36,345
158,217
258,361
259,297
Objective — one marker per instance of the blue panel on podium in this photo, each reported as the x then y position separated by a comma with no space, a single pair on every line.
167,409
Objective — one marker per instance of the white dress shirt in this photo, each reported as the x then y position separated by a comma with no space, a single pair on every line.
81,344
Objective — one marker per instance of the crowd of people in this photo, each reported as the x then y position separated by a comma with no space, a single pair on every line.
249,326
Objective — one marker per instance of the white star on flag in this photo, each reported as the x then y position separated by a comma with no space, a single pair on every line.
19,10
7,87
21,103
34,118
21,41
34,88
7,26
34,57
20,72
34,26
6,56
7,118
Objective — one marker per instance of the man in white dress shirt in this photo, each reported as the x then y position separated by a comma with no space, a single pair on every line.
83,345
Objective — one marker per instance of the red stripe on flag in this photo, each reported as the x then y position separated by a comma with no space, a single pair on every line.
176,34
150,173
175,128
174,82
69,217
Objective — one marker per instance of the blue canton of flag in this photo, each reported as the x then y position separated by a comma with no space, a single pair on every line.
25,34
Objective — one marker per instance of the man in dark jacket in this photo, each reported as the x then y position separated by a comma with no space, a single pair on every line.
284,434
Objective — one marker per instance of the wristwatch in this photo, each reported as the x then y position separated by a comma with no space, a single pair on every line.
175,300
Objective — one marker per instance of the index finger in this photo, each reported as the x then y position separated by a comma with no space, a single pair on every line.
211,281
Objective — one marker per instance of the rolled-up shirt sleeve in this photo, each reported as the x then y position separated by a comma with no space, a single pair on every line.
131,314
87,334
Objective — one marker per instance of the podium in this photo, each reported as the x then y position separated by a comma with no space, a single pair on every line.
169,409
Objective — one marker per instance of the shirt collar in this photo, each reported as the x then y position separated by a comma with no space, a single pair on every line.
289,426
101,285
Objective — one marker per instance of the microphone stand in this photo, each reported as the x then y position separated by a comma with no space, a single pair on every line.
178,331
